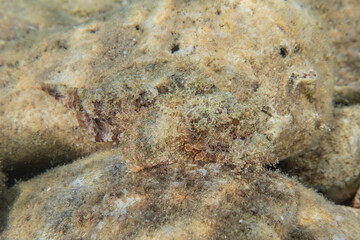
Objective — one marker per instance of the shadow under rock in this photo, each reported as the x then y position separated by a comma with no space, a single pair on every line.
26,171
7,200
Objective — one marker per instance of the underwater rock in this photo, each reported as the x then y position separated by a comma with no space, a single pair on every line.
347,94
22,19
159,64
193,98
332,166
356,200
98,198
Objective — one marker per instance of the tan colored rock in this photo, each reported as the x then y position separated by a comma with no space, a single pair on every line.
172,58
356,201
21,19
332,166
37,133
319,219
347,94
97,198
174,87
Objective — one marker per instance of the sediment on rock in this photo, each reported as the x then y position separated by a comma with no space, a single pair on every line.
332,166
347,95
21,19
98,198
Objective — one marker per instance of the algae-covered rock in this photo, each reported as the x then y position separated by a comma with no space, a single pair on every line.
160,69
193,98
347,94
332,166
21,19
98,198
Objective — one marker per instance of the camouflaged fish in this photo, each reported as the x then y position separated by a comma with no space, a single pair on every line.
182,117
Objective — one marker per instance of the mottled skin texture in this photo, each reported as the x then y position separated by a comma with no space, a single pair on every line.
332,165
341,18
183,118
341,22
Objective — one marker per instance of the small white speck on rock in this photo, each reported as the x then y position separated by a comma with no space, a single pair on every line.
203,171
